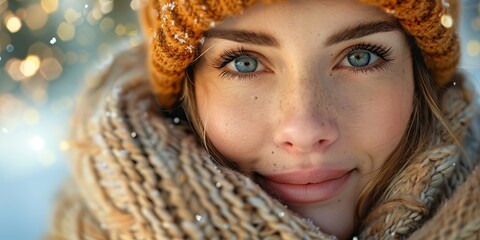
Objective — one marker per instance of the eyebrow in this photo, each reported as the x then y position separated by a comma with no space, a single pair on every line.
361,30
257,38
264,39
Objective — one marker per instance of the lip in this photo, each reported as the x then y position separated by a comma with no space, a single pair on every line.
305,186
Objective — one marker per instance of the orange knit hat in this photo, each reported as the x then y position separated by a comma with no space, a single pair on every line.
175,29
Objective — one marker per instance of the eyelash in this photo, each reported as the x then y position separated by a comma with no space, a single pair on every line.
384,53
228,56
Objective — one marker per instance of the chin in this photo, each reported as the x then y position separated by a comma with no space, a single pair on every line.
327,220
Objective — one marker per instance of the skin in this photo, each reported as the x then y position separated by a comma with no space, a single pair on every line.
306,107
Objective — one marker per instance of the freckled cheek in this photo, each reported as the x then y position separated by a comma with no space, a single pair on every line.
232,125
400,109
239,139
388,121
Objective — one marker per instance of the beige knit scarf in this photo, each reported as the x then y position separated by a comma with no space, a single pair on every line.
139,175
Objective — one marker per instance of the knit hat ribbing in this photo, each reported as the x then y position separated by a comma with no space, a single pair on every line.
175,30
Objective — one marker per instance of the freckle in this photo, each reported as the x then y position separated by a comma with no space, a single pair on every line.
274,164
331,75
273,152
256,97
339,200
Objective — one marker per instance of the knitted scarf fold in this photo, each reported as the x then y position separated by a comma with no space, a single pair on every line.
139,175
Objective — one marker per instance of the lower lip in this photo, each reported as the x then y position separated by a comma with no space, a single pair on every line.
305,193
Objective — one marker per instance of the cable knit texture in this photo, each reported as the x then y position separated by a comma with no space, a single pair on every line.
175,30
139,175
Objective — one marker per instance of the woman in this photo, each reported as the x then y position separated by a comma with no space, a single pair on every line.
348,116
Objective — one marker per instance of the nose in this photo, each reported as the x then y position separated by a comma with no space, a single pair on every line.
306,126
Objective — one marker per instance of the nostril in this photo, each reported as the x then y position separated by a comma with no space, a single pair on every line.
304,143
288,146
321,142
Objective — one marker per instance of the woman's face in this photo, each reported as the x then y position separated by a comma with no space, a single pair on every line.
309,98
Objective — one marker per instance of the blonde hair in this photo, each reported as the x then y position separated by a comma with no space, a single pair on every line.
426,116
190,107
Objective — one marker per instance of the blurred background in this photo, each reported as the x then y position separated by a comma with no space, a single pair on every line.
46,49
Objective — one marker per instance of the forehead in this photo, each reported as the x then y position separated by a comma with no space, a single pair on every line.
304,17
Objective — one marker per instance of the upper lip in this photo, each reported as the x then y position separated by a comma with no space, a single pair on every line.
306,176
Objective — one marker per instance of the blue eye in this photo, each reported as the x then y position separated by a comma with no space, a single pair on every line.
246,64
239,64
359,58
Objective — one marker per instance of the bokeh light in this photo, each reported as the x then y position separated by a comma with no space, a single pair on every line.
13,23
36,17
473,48
64,145
30,65
51,68
49,6
37,143
66,31
13,69
447,21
